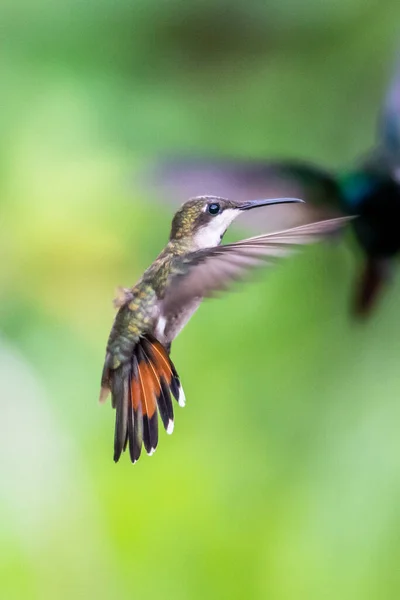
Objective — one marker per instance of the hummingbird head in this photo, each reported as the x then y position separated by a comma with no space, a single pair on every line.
205,219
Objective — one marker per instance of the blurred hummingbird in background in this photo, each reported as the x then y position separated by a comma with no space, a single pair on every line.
371,189
138,370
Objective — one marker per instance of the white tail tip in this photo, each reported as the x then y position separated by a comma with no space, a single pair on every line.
182,398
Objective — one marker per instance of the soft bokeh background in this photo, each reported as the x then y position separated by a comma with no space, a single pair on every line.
282,478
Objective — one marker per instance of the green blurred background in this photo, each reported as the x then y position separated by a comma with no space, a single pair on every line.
282,478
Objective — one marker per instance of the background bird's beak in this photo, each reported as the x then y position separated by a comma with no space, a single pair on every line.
254,203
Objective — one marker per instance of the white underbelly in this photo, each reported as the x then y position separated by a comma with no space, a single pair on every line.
168,326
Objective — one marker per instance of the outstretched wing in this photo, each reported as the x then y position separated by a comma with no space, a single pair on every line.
184,177
204,272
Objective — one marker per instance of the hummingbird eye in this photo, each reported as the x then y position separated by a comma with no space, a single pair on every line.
214,208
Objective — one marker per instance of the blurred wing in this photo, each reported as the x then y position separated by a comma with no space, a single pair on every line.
206,271
390,122
182,178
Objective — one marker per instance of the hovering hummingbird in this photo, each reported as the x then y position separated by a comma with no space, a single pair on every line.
370,188
138,370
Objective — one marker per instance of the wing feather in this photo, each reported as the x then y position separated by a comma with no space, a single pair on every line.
390,123
207,271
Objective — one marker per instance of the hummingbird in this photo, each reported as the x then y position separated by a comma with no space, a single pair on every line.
371,188
138,370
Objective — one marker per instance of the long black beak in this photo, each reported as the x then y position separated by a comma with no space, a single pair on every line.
255,203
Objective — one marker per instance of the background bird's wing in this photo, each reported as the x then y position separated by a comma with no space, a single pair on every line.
204,272
389,133
182,178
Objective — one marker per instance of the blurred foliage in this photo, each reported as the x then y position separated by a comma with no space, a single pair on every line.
282,478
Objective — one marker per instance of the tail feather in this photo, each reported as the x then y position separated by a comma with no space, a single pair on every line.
165,364
149,403
162,392
140,389
120,394
135,416
168,419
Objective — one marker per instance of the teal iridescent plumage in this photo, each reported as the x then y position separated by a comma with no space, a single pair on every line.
356,186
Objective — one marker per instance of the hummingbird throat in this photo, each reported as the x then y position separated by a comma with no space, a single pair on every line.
211,234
